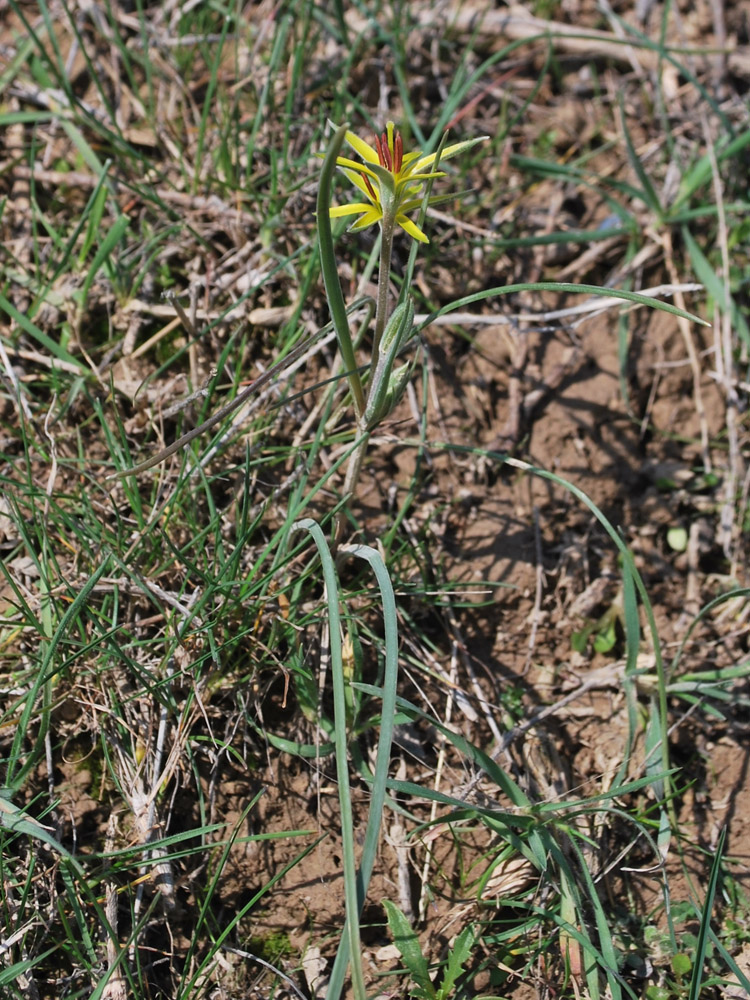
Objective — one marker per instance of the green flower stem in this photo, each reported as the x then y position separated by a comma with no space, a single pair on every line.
331,275
387,227
351,479
354,468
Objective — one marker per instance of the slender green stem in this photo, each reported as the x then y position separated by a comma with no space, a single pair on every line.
387,230
384,281
354,467
351,479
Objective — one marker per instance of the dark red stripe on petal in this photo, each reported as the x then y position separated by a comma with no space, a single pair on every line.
385,160
379,148
398,153
370,188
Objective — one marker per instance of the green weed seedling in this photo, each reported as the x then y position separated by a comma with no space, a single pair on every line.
406,940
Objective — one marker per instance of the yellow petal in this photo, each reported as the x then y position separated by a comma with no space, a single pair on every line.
411,228
361,147
415,154
345,162
457,147
339,211
368,219
409,178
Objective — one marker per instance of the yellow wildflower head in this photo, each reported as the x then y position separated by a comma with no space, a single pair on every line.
392,181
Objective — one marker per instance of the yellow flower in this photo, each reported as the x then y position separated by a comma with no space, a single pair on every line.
391,180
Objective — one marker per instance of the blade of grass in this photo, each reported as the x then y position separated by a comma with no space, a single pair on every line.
108,244
342,756
55,349
562,288
648,194
704,928
16,772
208,103
380,776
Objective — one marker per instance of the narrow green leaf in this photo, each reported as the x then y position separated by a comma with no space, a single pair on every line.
648,192
14,819
716,288
407,942
562,288
330,271
110,241
342,754
705,923
56,350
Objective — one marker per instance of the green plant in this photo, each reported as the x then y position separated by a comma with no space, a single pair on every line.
391,180
407,942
